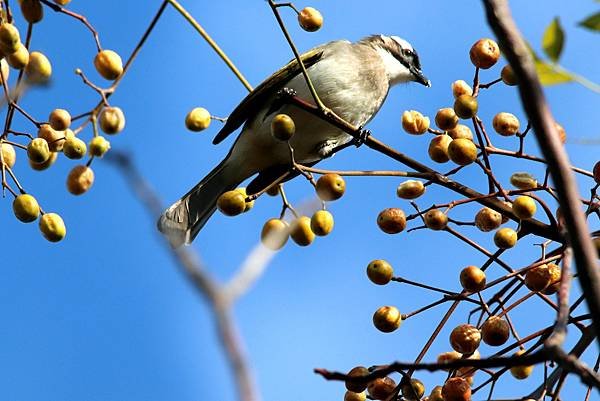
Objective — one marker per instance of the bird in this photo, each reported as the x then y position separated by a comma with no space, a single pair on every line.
351,79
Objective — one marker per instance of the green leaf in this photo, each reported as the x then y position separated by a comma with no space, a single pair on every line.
553,40
592,22
549,75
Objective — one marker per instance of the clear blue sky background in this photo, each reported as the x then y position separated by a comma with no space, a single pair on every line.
105,315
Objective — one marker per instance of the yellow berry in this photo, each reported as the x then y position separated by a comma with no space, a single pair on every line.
505,238
506,124
198,119
321,223
9,38
249,204
52,227
112,120
275,234
74,148
461,131
108,64
462,151
282,127
231,203
412,390
310,19
524,207
98,146
55,139
460,87
488,219
387,319
438,148
9,156
59,119
523,181
446,118
330,187
38,151
435,219
380,272
26,208
410,189
19,59
301,232
80,179
38,69
466,106
45,165
521,372
508,76
352,396
414,122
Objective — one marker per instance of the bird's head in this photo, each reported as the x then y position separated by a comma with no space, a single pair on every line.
400,59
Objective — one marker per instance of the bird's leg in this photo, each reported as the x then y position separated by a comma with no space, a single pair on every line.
362,136
284,96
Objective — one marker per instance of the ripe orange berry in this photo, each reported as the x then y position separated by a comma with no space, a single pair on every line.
357,386
472,279
488,219
484,53
538,277
456,389
381,388
465,338
391,220
495,331
310,19
435,219
446,118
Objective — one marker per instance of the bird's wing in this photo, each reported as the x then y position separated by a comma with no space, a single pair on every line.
256,99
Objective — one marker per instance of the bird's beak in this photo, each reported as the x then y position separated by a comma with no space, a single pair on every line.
420,78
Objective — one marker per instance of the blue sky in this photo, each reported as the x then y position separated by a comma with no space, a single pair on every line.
105,315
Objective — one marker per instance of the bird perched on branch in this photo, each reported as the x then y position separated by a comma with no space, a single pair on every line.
351,79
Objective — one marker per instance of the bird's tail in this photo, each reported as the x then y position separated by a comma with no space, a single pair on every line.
182,221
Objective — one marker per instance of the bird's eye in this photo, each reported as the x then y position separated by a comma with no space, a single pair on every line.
407,52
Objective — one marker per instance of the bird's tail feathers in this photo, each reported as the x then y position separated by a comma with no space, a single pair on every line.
182,221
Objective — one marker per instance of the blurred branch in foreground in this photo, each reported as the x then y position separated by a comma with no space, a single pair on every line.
221,297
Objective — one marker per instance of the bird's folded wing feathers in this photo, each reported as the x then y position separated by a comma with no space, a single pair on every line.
256,99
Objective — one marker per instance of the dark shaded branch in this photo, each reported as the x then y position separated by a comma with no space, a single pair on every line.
544,126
